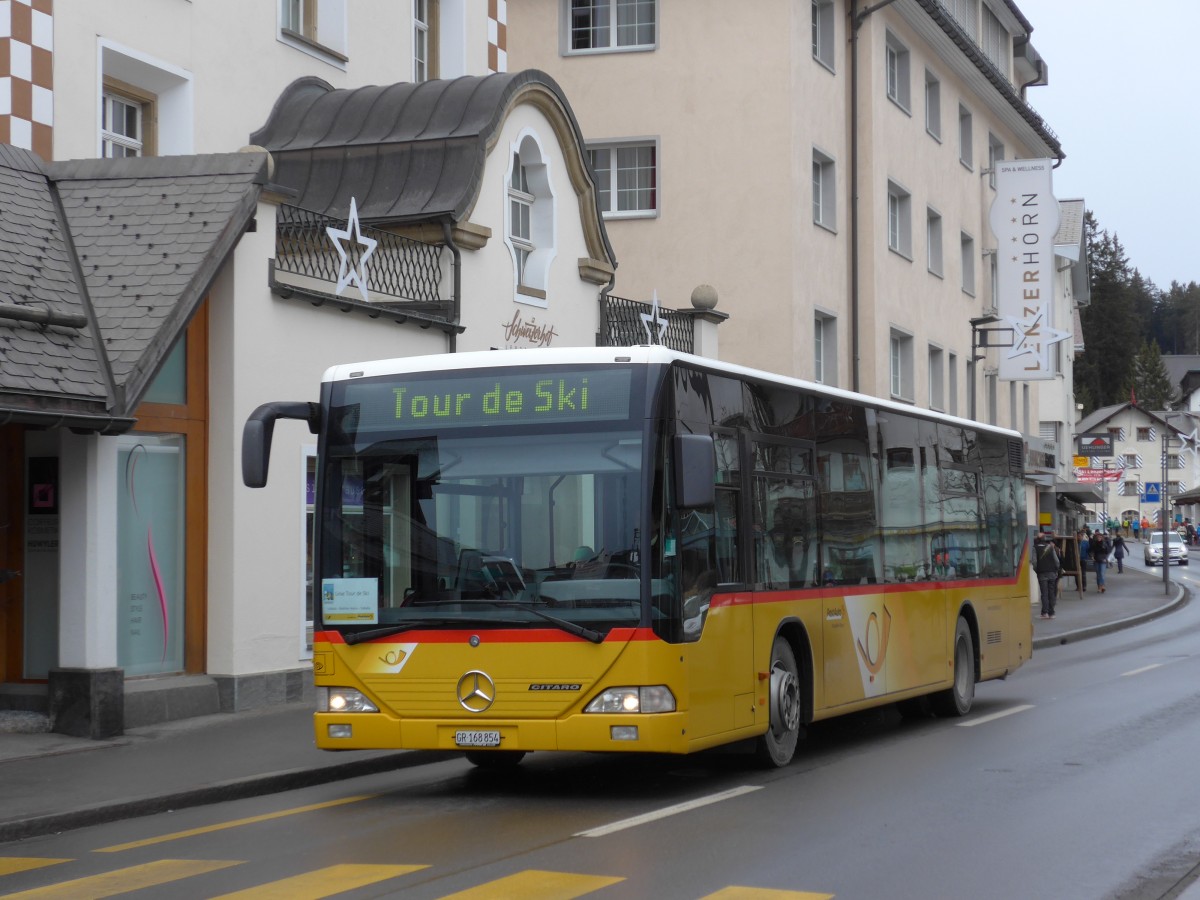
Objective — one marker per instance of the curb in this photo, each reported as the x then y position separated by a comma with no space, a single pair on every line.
1182,598
234,789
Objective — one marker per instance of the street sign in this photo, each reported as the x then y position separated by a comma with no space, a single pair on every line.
1095,444
1095,475
1152,492
1079,462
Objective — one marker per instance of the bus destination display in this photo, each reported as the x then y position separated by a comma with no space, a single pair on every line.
508,398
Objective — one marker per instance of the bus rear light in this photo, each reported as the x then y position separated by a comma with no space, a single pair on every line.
655,698
343,700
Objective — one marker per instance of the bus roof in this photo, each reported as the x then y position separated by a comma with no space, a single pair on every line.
644,354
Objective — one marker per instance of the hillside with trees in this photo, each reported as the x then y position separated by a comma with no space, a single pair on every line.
1128,326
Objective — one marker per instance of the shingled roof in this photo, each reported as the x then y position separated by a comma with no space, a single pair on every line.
102,265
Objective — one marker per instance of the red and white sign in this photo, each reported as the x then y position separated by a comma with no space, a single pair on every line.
1095,476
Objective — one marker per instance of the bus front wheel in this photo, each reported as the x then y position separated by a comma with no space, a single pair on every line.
956,700
778,745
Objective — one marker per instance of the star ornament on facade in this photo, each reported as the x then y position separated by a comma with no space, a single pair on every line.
654,317
344,240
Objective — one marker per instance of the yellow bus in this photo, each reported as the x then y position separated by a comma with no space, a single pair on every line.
632,549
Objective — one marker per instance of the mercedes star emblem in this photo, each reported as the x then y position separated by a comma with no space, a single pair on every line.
476,691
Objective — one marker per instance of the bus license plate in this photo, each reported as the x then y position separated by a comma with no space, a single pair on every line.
477,738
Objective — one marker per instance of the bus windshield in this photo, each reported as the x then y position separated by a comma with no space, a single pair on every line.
514,524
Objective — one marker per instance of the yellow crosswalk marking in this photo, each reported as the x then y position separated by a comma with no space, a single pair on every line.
10,865
121,881
536,885
321,882
747,893
236,823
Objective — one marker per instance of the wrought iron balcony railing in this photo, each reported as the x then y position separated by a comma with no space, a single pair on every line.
622,325
402,274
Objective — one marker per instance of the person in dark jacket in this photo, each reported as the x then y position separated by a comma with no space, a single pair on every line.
1119,552
1048,567
1100,546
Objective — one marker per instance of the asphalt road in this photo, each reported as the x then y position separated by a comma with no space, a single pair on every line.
1073,779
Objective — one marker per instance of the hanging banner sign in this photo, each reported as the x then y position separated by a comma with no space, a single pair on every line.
1024,218
1096,476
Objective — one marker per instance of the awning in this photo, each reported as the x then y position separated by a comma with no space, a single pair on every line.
1078,491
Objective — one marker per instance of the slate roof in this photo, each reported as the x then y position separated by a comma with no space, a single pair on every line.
102,265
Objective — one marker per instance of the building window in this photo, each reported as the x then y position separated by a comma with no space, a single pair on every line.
896,64
822,32
1131,460
933,106
1173,461
901,365
315,25
425,40
1145,434
972,370
952,383
996,42
520,209
933,241
992,380
626,178
824,192
126,122
824,349
966,145
529,229
937,384
995,155
607,25
899,220
968,263
963,12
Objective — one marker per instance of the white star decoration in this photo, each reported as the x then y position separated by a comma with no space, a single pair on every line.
654,317
350,273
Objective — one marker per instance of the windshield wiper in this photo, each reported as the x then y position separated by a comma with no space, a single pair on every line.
357,637
582,631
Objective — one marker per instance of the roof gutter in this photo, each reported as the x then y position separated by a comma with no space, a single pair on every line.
80,423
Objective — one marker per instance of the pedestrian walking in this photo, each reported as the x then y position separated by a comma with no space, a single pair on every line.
1076,556
1048,567
1137,527
1099,547
1119,553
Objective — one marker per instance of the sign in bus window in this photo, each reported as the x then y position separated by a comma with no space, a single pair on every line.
350,601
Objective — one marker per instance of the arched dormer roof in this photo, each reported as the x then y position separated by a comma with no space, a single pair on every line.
412,153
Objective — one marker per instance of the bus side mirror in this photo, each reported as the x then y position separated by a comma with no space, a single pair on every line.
694,462
260,428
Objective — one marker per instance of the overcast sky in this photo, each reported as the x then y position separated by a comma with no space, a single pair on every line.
1122,99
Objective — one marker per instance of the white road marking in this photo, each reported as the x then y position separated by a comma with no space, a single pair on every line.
668,811
994,716
1141,670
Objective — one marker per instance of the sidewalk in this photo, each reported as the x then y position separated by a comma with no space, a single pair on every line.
56,783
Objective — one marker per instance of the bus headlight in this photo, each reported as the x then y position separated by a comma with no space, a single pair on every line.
655,698
343,700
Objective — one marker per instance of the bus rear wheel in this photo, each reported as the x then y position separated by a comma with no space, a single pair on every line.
495,760
956,700
778,746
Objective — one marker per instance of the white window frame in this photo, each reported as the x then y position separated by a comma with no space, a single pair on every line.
966,137
823,42
934,255
113,104
611,28
170,131
897,78
995,155
824,348
899,218
900,365
937,378
609,190
422,44
322,29
967,261
527,185
933,106
824,176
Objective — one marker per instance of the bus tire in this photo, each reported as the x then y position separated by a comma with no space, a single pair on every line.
956,700
495,760
777,747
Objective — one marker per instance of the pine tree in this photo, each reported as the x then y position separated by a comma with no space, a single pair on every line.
1112,330
1149,382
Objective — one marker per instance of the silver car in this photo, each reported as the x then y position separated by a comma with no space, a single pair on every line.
1177,551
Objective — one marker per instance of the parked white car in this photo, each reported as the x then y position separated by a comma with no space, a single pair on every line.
1177,551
